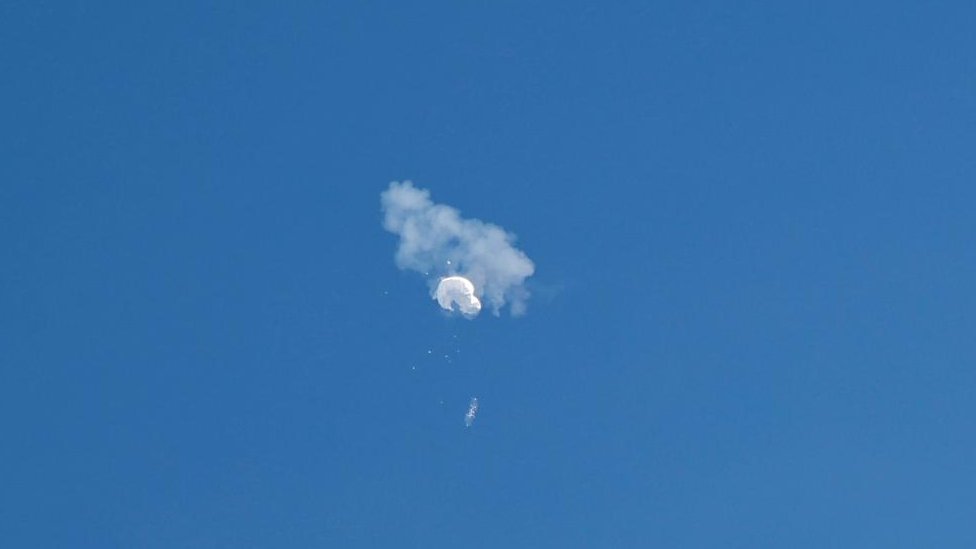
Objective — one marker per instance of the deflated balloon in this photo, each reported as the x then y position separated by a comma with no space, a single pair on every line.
457,291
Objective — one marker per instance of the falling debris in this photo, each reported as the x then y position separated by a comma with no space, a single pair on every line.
472,412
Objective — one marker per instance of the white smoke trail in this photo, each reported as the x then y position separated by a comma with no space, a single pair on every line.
437,241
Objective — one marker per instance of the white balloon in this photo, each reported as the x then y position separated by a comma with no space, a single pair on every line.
457,290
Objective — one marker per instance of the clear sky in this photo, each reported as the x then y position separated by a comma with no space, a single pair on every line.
751,321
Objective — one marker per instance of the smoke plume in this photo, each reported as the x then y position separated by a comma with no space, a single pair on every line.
436,241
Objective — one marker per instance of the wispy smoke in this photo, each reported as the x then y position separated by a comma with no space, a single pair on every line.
436,241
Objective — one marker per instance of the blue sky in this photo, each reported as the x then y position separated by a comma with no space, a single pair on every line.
752,313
